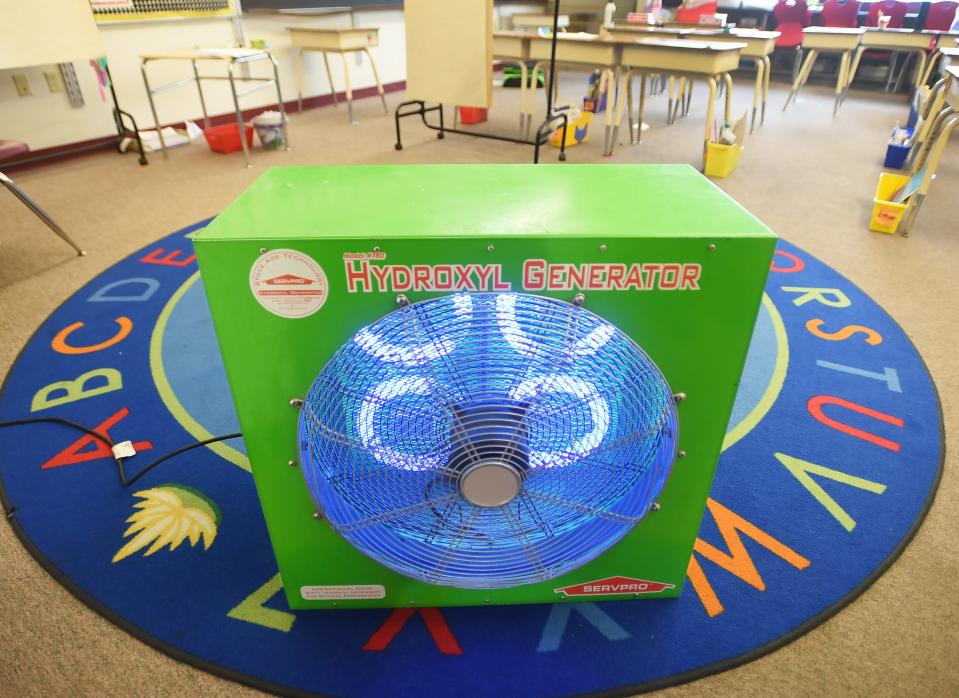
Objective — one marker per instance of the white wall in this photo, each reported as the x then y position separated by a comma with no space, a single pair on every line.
47,119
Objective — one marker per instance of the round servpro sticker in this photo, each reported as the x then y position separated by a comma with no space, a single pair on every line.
288,283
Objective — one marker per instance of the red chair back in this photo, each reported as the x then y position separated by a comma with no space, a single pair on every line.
691,15
895,10
791,16
840,13
941,15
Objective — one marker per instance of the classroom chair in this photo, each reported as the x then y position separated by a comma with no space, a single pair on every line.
840,13
941,15
896,11
9,150
691,15
791,16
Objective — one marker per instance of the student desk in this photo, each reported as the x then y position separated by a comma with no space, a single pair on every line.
536,21
586,51
759,47
693,59
342,41
827,40
907,40
232,57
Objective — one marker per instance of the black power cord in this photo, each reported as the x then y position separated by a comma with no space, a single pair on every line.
124,480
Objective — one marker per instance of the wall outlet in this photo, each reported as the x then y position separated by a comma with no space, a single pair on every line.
22,84
54,81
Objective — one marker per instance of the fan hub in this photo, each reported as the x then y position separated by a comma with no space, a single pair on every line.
490,483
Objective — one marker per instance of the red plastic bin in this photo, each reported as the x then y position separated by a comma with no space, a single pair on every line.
472,115
225,138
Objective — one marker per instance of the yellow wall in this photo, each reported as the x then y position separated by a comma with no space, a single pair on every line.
46,119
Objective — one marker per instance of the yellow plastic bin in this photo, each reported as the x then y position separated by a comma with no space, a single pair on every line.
886,214
721,159
576,131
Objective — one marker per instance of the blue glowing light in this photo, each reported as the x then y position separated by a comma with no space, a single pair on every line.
545,390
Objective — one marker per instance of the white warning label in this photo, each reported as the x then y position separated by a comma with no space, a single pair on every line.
339,592
288,283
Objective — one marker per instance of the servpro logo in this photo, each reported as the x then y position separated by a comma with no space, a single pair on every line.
614,585
288,280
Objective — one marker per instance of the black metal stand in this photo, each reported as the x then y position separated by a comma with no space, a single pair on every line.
122,132
542,133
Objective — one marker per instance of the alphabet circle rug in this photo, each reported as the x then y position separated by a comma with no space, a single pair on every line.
831,461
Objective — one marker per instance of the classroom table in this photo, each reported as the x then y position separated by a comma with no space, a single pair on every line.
759,47
232,57
821,40
585,51
895,40
692,59
535,21
336,40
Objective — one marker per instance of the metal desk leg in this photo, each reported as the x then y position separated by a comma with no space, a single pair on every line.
669,102
349,90
728,81
531,102
239,115
758,92
616,88
522,97
766,75
153,109
608,77
279,101
629,106
376,76
857,57
199,90
642,106
841,80
299,80
801,77
329,76
710,111
892,70
689,96
39,212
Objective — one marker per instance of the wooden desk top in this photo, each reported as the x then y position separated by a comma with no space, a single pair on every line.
332,30
206,54
834,30
691,45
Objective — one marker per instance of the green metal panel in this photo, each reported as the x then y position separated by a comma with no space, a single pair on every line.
453,214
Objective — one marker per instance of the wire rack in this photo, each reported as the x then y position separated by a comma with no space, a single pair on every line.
577,422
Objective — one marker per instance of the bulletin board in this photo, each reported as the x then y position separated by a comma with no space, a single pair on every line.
127,10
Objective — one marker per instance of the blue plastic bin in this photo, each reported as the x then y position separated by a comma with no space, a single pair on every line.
896,154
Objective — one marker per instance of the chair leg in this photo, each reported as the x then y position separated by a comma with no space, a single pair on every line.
39,212
797,61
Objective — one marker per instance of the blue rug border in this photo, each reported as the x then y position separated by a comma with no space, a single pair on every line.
9,512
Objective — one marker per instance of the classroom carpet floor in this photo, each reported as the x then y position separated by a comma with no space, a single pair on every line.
808,175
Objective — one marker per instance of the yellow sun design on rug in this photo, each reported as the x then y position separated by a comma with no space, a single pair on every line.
168,515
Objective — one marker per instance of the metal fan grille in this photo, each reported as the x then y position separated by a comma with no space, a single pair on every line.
487,440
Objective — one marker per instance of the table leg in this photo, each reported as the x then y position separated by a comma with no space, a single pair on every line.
766,74
279,101
39,213
920,68
857,58
329,76
621,101
680,100
710,111
669,103
629,106
689,96
606,76
299,80
349,90
153,109
801,77
199,89
728,81
239,114
758,92
841,79
531,102
892,70
522,97
376,76
642,106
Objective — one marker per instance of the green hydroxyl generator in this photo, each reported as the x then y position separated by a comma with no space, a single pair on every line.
468,384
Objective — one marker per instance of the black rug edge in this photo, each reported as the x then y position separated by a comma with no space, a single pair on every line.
173,652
